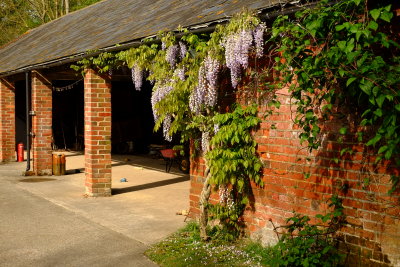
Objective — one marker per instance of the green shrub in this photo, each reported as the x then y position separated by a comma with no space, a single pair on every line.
304,244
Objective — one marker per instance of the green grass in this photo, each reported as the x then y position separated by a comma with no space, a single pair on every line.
185,248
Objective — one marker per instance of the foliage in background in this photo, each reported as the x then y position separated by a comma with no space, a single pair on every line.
14,20
18,16
343,55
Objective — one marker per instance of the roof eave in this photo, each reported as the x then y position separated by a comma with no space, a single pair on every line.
198,28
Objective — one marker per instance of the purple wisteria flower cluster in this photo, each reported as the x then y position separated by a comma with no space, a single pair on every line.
258,35
237,53
206,89
137,77
182,50
237,47
171,55
197,97
159,94
180,73
211,68
175,52
167,127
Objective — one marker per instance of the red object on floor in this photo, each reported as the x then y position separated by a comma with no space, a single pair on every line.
169,156
20,152
168,153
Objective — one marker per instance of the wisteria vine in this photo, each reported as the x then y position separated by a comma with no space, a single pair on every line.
186,75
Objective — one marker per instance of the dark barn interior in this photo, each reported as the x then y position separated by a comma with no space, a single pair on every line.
132,117
20,112
68,115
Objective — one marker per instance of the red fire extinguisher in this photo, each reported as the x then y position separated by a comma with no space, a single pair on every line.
20,152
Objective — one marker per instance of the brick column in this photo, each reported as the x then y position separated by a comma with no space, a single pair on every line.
42,124
97,134
7,121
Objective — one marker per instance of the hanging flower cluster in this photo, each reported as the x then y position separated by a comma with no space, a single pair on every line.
237,53
237,47
171,55
167,127
175,52
206,138
162,91
197,97
206,89
258,35
182,49
180,73
211,68
137,77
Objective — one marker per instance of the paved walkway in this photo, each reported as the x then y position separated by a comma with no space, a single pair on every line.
48,221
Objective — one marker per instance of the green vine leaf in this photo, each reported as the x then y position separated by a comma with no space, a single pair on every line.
375,13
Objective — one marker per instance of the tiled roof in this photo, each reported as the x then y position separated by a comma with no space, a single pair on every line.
112,22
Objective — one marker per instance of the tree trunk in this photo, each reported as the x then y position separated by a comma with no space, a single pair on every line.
66,6
204,197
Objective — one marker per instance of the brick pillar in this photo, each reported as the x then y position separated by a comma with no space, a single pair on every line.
42,124
7,121
97,134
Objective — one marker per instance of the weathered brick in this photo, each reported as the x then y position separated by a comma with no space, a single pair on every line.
373,214
97,91
42,123
7,121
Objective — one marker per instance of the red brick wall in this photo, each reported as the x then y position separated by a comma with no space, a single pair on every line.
372,235
97,134
7,122
42,124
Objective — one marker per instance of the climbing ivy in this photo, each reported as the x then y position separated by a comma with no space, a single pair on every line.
343,55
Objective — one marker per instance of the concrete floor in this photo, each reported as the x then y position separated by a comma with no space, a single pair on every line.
36,232
143,208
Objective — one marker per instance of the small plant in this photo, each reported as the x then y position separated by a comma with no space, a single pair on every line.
306,244
186,248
